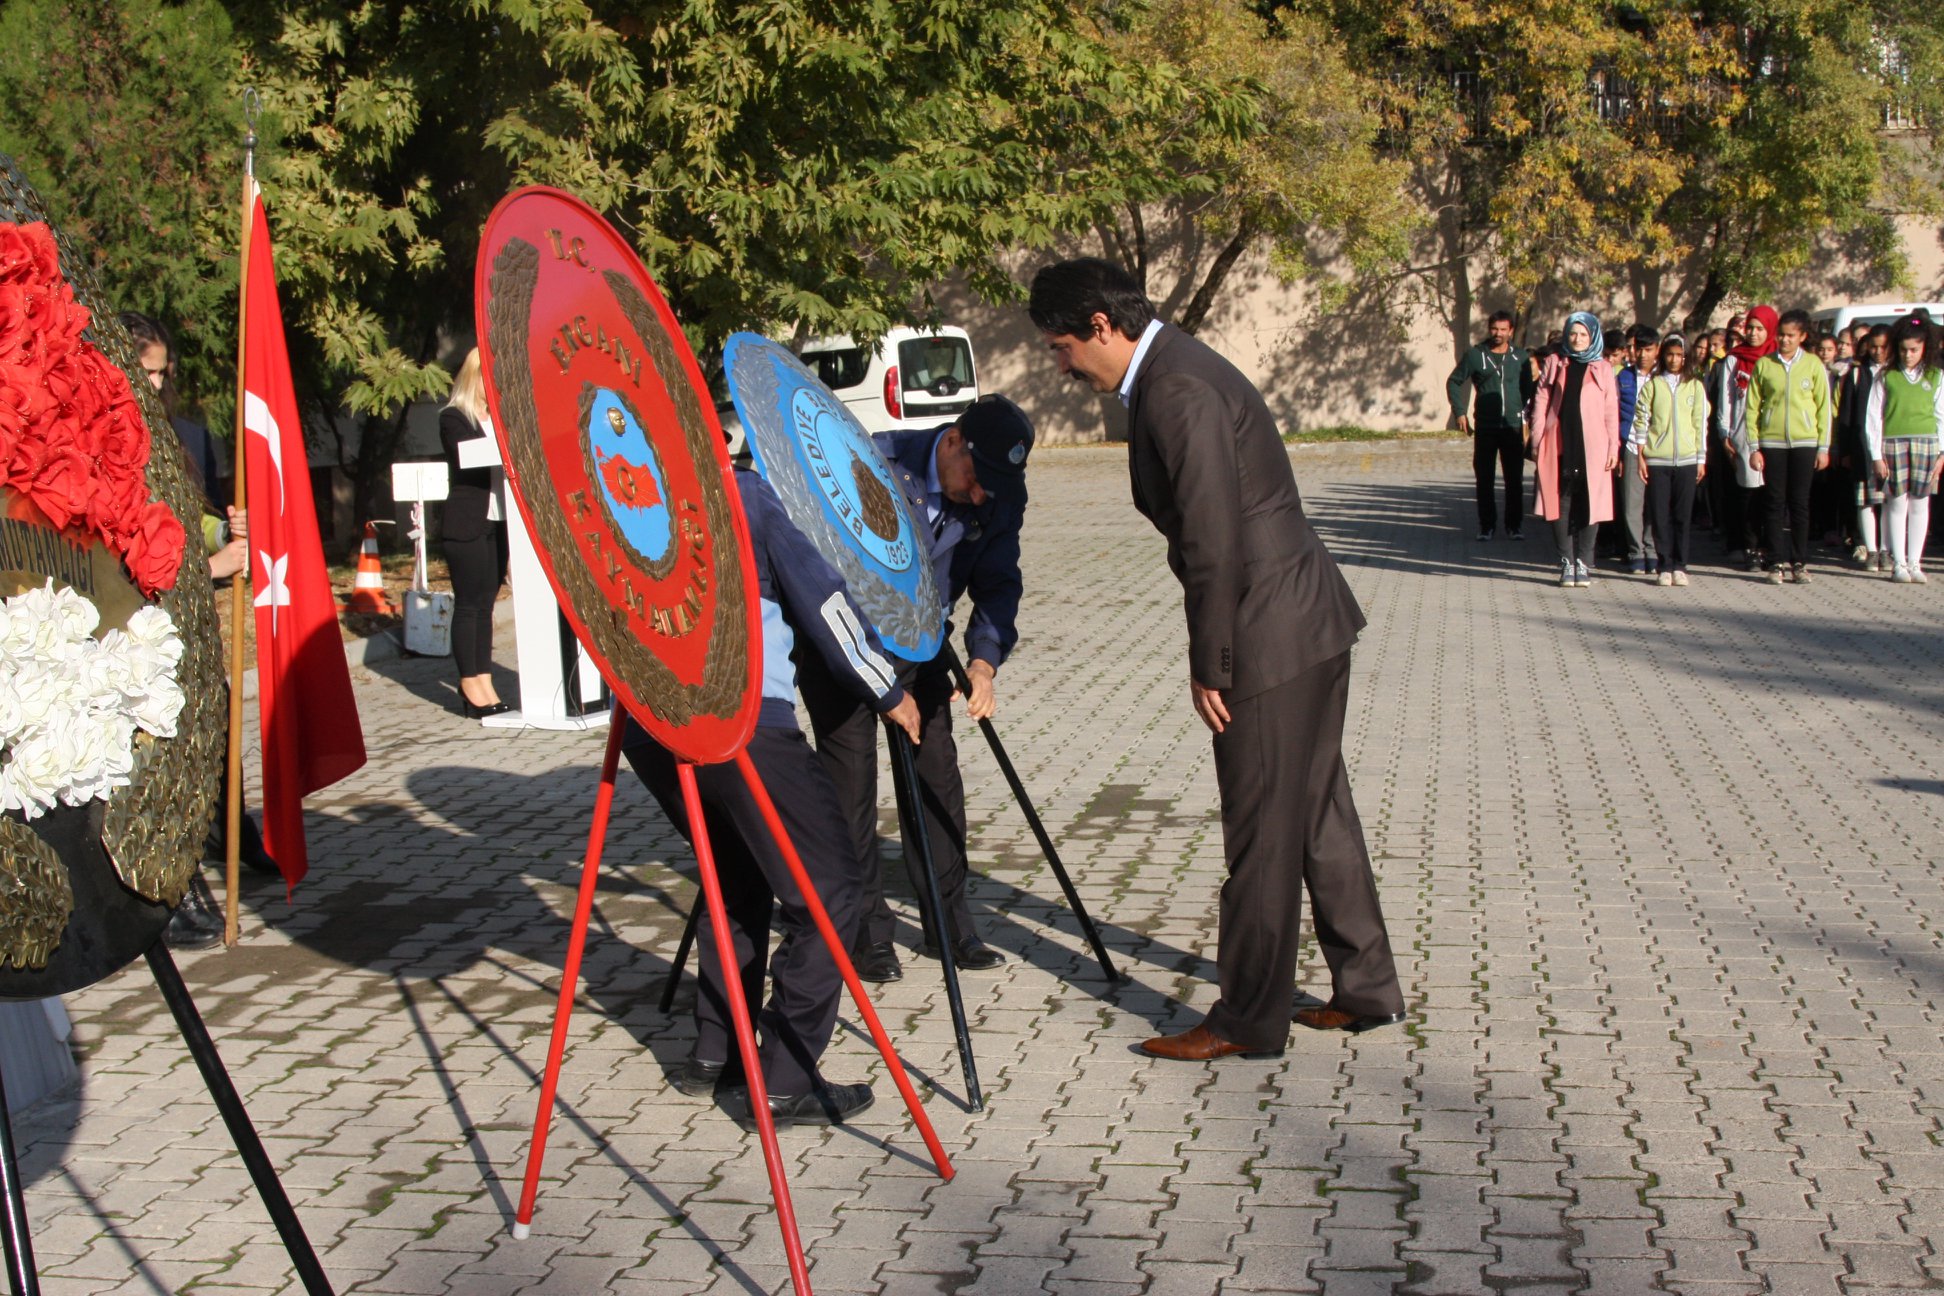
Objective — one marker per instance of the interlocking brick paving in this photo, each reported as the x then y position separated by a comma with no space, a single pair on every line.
1660,868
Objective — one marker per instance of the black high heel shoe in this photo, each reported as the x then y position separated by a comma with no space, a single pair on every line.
481,712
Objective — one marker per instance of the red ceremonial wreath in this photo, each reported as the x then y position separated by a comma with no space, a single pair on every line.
72,439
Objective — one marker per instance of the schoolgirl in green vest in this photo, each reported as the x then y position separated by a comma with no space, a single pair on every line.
1901,433
1671,432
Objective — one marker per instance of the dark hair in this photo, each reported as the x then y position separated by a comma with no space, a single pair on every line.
1644,336
1912,327
1672,342
1614,342
1799,318
1501,317
1066,296
147,332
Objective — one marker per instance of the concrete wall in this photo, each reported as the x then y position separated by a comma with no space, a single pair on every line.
1378,365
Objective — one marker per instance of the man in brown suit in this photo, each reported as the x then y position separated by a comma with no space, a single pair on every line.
1270,624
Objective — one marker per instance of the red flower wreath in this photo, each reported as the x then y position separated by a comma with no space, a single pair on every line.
72,439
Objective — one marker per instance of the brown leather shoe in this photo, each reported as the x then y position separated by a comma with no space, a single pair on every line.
1330,1017
1200,1045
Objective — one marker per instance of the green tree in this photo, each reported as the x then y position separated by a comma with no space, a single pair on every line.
121,113
1271,142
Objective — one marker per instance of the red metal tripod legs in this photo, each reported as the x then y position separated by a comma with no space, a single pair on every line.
745,1033
570,973
821,917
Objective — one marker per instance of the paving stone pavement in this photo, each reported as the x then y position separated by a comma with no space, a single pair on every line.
1659,866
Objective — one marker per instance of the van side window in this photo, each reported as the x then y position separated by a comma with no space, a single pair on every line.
941,366
841,369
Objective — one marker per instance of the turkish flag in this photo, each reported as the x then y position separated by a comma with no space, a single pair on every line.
305,710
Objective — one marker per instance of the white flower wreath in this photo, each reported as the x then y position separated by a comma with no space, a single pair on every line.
70,704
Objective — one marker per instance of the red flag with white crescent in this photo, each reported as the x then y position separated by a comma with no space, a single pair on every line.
305,709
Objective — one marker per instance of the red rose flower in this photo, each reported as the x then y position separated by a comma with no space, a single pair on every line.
63,487
29,253
155,550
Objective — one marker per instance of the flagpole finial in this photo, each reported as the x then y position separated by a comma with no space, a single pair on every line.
252,104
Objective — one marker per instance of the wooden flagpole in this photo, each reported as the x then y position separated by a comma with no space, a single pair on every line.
240,582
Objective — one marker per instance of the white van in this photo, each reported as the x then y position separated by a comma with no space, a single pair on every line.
914,378
1838,318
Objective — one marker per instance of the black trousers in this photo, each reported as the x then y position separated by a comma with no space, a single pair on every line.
478,569
1670,502
1496,450
1289,823
1787,476
847,742
796,1023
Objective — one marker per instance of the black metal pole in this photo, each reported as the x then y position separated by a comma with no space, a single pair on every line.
242,1132
21,1278
1087,927
934,908
681,956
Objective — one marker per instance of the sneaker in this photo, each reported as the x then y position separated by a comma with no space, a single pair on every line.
1773,576
1515,536
1582,578
1638,566
1901,575
1665,578
1862,556
1800,574
1486,534
1917,575
1680,579
1565,573
1751,561
1884,562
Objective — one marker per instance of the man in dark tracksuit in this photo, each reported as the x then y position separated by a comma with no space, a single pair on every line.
1488,392
967,482
804,602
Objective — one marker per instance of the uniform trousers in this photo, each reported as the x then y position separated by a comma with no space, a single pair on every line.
847,742
1633,509
1289,823
1670,499
796,1023
1788,473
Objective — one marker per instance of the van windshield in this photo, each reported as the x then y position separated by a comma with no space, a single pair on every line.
936,366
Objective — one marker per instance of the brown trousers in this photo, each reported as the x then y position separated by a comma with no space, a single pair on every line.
1289,822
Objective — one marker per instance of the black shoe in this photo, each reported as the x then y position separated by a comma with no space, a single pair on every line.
699,1077
969,955
481,712
826,1105
878,963
196,923
1515,535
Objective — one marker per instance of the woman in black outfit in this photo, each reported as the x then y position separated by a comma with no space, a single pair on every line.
475,540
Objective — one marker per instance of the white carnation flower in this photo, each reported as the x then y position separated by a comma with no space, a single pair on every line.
70,705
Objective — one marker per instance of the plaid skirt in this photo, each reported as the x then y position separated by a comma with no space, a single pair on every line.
1868,490
1912,460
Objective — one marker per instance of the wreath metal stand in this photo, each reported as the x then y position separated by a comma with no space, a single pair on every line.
738,1009
22,1278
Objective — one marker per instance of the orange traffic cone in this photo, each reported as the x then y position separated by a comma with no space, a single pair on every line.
368,591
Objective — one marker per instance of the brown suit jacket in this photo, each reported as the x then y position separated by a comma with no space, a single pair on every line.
1265,600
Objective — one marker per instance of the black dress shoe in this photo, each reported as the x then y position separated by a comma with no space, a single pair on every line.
481,712
196,923
969,955
825,1105
699,1077
878,963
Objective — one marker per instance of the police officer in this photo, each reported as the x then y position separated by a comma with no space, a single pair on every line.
967,484
806,608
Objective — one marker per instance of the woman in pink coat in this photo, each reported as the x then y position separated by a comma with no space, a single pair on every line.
1576,441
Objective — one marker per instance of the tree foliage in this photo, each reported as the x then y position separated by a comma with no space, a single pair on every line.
112,108
1276,146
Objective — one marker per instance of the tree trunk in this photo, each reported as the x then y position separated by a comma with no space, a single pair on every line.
1203,301
1713,290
